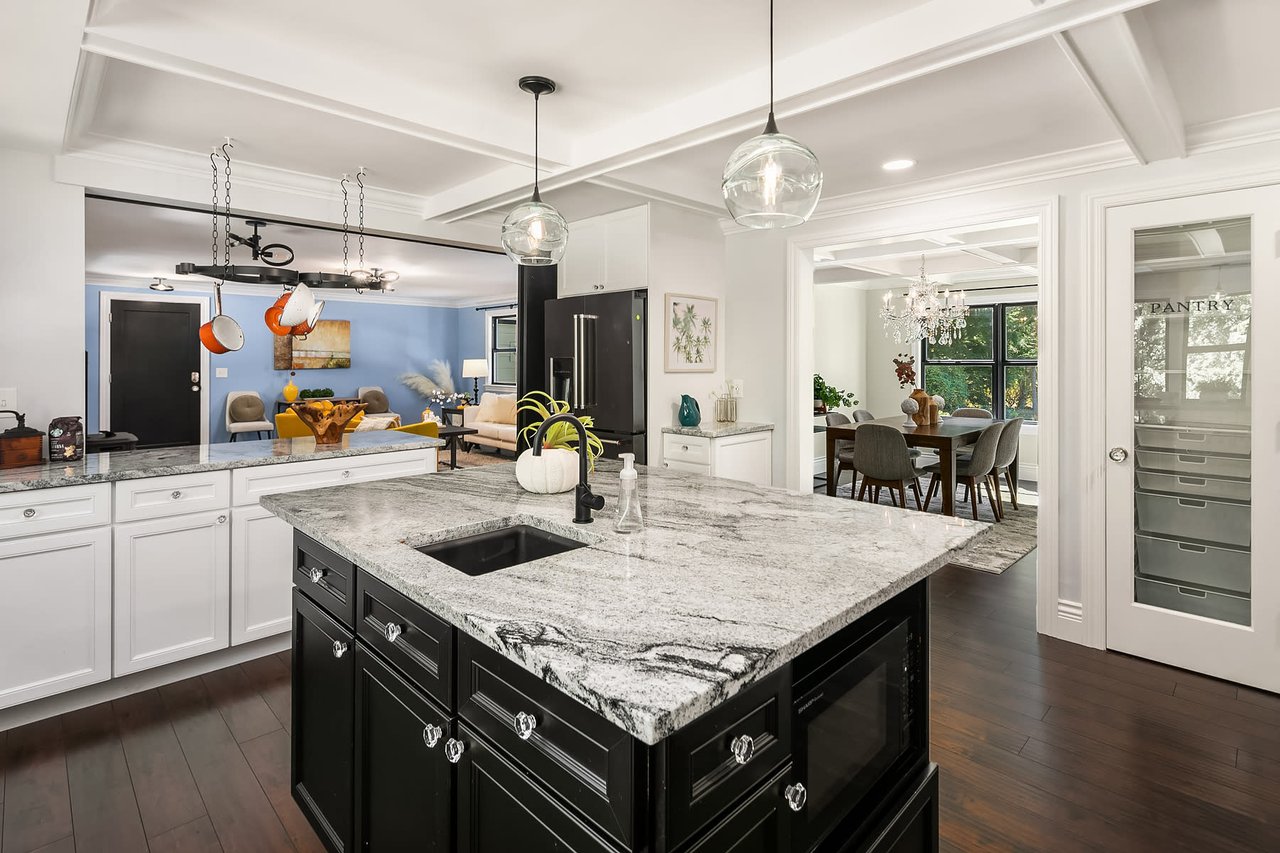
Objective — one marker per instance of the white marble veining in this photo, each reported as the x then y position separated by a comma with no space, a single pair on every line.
728,582
718,430
161,462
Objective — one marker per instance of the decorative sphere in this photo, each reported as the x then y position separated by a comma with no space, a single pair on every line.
534,234
771,181
910,407
938,401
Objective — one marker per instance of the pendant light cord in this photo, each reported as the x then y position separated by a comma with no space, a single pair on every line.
771,126
536,99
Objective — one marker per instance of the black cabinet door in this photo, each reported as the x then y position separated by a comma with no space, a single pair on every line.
500,810
323,708
404,784
760,825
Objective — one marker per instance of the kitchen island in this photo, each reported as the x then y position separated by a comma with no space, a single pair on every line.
749,673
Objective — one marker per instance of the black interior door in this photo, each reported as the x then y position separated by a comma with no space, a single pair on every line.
155,352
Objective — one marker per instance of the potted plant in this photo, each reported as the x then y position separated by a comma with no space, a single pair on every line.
827,397
556,468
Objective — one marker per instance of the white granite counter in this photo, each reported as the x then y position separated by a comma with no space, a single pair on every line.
651,630
713,429
137,464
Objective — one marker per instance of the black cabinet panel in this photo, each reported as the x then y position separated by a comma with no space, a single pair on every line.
500,810
592,763
910,824
323,724
404,784
760,825
418,642
329,580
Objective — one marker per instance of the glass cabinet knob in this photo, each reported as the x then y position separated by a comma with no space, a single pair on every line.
28,513
339,648
315,575
524,724
431,735
391,631
795,796
453,750
1118,454
175,494
346,475
743,747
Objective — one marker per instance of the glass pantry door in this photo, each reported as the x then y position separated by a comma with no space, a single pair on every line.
1193,407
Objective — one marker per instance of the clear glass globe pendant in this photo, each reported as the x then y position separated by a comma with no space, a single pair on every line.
771,181
534,234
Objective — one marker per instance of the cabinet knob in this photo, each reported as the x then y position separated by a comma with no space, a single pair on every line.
1117,454
315,574
391,631
796,796
431,735
453,750
28,513
743,747
346,474
339,648
175,494
524,724
222,519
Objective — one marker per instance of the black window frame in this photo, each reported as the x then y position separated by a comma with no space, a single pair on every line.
999,361
494,349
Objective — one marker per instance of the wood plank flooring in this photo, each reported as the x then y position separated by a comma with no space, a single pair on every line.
1043,745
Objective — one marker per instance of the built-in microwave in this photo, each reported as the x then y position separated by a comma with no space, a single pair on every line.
860,720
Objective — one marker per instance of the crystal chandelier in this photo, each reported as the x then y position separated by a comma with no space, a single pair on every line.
924,314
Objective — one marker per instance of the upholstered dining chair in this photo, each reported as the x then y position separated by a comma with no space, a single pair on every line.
1006,452
971,413
844,452
973,471
880,455
246,413
861,416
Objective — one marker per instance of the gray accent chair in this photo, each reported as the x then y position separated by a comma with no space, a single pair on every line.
971,413
1006,452
246,417
880,455
977,469
861,416
844,450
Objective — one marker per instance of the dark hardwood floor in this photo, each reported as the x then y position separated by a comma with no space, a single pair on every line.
1044,746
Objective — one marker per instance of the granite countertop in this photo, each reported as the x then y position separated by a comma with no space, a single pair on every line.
718,430
728,582
138,464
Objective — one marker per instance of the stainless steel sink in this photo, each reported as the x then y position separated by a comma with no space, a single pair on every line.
482,553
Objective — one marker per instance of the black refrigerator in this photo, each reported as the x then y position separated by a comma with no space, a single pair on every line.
595,352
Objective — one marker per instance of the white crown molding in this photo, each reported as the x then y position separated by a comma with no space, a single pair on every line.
1252,129
185,284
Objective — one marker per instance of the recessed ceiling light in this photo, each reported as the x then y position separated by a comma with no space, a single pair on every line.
897,165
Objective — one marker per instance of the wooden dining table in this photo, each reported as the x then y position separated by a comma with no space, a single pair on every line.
944,438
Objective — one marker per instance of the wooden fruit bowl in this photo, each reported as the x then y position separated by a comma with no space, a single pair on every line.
327,420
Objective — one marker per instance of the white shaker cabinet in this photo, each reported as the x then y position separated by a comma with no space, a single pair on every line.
746,456
172,589
55,613
261,574
608,252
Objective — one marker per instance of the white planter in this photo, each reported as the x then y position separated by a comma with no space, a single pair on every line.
555,471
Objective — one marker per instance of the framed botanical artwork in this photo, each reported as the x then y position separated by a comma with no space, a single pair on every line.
329,345
693,333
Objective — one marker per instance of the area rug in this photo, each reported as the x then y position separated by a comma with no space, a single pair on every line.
473,459
1011,540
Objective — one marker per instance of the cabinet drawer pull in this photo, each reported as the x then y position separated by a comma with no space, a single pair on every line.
339,648
28,513
222,519
315,575
431,735
391,631
346,474
743,747
796,796
453,750
524,724
176,494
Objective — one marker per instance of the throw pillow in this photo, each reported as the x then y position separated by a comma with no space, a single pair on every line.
490,406
376,402
245,408
506,410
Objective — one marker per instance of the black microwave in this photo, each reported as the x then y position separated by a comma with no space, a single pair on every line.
860,719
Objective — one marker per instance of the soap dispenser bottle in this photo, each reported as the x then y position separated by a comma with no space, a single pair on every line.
629,518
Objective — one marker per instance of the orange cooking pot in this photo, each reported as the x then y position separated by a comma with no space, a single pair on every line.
272,316
222,334
308,325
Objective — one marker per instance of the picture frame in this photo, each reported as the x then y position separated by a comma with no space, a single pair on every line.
692,335
327,346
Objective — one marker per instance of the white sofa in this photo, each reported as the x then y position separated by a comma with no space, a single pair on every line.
494,420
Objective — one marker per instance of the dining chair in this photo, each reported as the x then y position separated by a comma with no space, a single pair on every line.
881,457
861,416
971,413
246,413
1006,452
844,450
976,470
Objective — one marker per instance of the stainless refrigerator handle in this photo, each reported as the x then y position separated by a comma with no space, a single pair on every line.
575,392
584,339
610,441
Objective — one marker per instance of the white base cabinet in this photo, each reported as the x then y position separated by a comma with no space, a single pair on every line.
55,613
261,574
172,589
744,456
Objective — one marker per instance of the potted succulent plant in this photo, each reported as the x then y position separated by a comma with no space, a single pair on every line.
556,468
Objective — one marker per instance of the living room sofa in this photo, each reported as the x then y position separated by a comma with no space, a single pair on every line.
494,420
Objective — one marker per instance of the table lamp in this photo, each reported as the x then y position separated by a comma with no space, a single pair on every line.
475,369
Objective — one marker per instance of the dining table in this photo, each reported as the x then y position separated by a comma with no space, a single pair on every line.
944,438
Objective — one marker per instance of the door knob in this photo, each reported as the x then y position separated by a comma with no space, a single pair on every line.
1117,454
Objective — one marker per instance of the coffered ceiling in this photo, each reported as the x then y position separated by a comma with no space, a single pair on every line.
652,99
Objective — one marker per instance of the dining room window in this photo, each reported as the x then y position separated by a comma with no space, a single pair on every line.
993,365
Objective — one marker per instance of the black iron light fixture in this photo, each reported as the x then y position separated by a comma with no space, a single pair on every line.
534,233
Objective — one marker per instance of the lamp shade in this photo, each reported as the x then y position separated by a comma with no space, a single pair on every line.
475,368
771,181
535,234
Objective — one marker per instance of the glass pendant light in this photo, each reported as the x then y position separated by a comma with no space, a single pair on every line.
534,234
771,180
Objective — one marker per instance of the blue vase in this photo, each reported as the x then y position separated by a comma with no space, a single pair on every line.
690,414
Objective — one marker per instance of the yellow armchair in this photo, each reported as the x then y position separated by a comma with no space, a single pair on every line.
430,429
289,425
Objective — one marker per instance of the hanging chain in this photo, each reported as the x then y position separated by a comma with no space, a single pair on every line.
226,220
213,161
360,183
344,224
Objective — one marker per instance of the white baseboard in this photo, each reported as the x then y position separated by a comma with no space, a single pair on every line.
819,466
1065,623
93,694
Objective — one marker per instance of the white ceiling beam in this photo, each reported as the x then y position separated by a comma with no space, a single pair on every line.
935,35
657,194
868,254
1118,60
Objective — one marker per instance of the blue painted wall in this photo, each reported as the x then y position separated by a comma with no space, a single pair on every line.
386,341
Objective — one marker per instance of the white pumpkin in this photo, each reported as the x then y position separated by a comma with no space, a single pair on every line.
556,470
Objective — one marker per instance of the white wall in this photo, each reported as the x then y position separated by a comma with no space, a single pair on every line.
686,256
41,290
839,347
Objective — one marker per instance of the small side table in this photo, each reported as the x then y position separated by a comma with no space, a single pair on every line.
448,413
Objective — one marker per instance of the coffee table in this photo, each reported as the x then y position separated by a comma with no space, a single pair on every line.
452,436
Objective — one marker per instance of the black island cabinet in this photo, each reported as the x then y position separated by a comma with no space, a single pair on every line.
410,735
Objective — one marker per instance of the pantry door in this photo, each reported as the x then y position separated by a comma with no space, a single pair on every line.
1193,447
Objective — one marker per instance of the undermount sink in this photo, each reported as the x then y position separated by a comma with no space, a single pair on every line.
492,550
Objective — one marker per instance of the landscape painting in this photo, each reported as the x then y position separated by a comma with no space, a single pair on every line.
329,345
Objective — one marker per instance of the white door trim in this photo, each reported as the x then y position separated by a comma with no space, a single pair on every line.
105,298
1054,617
